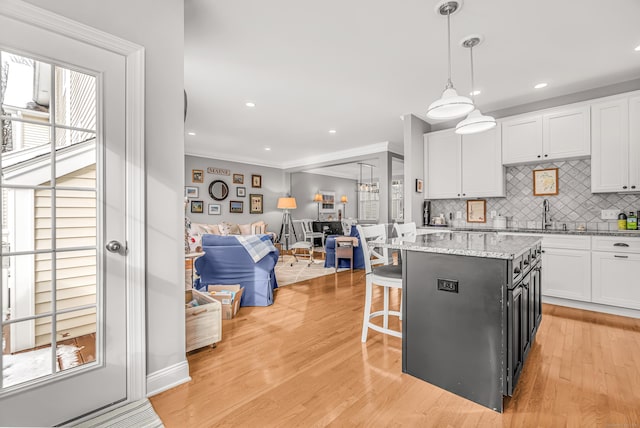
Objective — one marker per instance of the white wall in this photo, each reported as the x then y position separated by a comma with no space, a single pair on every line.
305,185
274,185
159,27
414,129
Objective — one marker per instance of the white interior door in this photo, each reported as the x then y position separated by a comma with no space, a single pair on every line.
64,331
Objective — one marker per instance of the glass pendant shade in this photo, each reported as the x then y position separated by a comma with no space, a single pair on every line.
449,106
474,123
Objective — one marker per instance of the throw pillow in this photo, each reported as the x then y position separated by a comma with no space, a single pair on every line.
245,229
229,228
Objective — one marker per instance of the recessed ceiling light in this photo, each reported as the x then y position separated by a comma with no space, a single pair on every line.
332,131
267,148
637,49
540,85
474,93
250,104
191,133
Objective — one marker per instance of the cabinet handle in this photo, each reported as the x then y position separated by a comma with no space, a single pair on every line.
542,251
620,244
458,194
633,187
526,262
516,271
621,257
539,156
546,156
624,187
464,194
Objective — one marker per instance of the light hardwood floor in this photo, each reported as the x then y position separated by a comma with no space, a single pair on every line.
300,362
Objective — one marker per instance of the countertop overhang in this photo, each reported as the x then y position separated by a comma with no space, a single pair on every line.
474,244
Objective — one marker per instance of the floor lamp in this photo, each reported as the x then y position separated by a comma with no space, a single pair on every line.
344,201
318,200
286,204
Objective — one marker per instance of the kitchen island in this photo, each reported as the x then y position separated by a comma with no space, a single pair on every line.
471,309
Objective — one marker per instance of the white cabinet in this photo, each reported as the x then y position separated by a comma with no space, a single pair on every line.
615,265
482,170
442,164
562,133
566,273
522,140
615,279
610,146
566,267
467,166
615,159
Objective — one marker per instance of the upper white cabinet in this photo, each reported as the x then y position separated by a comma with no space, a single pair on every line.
615,159
562,133
482,170
463,166
442,163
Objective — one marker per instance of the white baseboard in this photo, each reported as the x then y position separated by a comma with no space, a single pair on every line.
595,307
167,378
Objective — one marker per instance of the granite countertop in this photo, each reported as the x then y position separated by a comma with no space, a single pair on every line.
630,233
474,244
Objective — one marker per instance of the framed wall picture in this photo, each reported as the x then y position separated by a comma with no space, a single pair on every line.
256,180
215,209
236,207
419,185
545,182
256,204
241,192
238,178
477,211
197,207
190,192
197,176
328,204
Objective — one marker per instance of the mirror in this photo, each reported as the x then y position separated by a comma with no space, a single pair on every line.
218,190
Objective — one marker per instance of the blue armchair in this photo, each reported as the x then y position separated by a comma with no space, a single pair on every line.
225,261
330,252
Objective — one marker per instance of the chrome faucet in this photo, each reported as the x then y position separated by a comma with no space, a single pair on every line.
546,219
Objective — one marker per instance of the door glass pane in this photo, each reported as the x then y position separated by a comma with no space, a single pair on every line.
46,189
26,219
26,153
75,335
27,86
76,215
76,276
23,359
75,99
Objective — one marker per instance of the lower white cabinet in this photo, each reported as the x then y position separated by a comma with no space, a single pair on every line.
616,279
566,273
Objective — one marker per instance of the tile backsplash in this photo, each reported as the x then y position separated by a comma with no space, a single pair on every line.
574,205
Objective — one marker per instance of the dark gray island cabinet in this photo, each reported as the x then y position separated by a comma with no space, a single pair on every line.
471,310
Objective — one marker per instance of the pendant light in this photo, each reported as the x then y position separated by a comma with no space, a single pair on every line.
450,105
476,121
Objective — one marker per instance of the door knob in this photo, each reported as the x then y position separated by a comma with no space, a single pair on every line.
114,246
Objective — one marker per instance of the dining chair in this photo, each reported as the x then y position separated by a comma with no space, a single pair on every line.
309,234
405,229
380,273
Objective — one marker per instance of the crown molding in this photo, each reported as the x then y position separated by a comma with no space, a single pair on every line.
311,160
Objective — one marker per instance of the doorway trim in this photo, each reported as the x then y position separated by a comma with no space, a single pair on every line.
135,172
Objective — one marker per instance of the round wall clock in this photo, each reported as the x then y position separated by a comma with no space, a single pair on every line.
218,190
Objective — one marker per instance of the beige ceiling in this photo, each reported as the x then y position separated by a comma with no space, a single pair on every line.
355,66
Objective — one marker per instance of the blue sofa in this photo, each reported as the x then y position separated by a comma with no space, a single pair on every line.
225,261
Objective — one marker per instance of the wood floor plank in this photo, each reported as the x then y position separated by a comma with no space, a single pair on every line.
300,362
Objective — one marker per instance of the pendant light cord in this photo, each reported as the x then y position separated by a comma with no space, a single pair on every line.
449,83
473,87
